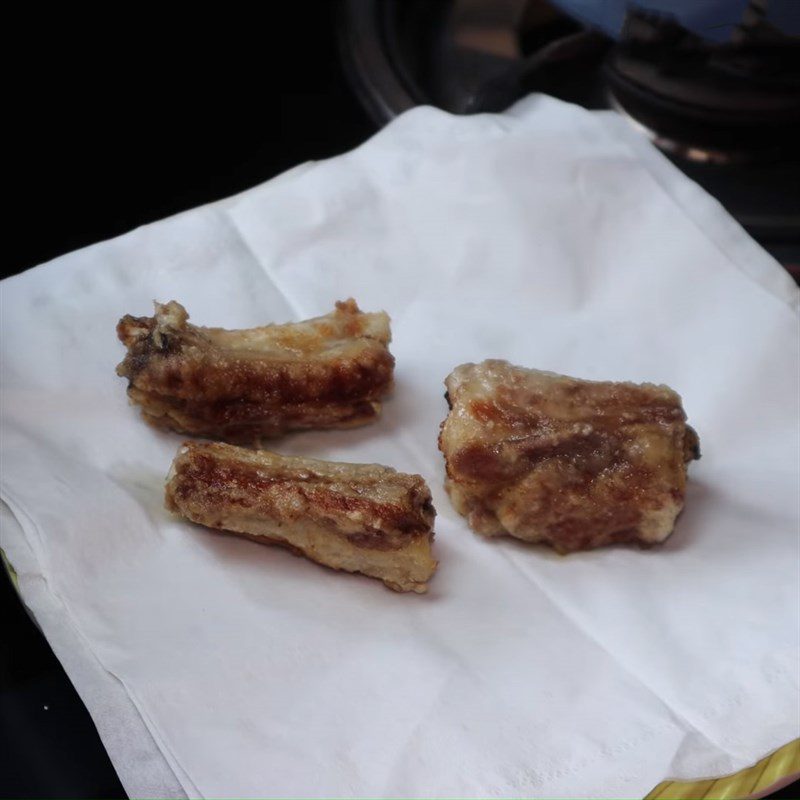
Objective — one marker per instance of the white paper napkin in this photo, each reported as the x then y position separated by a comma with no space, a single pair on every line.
547,235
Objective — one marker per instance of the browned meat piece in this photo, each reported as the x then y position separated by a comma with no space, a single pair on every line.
354,517
571,463
328,372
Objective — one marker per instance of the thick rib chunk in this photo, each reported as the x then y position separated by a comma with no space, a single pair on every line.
571,463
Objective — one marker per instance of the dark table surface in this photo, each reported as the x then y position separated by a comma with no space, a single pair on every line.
112,131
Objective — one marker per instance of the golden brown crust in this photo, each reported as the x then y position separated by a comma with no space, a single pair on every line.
571,463
358,517
328,372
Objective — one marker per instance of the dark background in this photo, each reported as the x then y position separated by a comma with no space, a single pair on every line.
122,125
117,120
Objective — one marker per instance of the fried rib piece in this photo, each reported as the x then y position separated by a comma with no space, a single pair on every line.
354,517
571,463
328,372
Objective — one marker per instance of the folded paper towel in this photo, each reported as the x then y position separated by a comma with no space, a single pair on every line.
549,236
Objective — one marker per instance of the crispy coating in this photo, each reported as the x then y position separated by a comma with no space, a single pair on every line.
355,517
570,463
245,385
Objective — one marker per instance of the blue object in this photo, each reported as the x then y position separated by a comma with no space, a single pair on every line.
711,19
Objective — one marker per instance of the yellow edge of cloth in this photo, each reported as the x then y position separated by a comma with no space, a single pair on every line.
775,767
